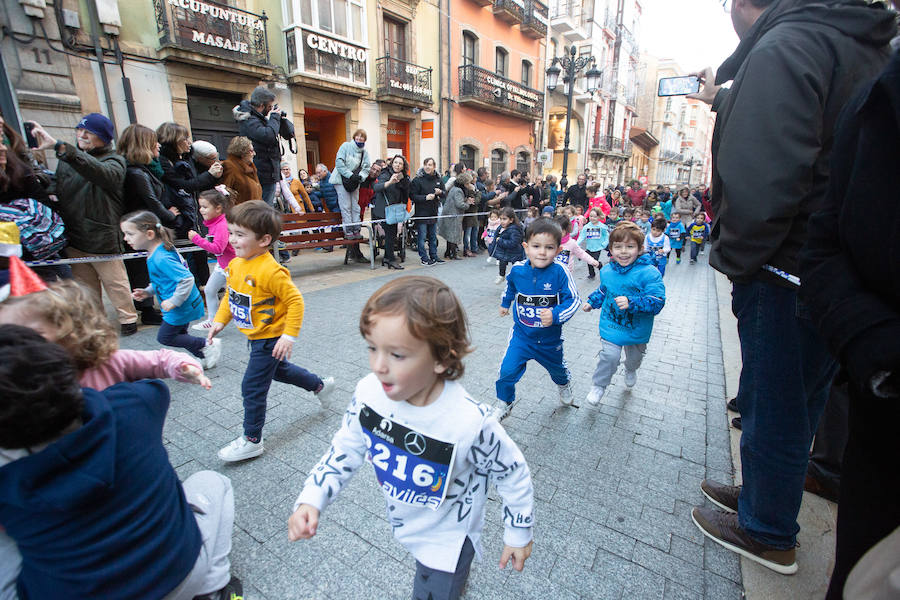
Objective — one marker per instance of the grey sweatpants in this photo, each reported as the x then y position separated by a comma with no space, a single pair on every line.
608,361
349,205
210,496
431,584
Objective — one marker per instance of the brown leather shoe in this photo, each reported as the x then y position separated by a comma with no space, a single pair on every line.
814,486
723,496
723,528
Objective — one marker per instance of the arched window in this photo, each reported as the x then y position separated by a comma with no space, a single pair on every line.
500,63
498,162
523,162
467,156
470,49
526,73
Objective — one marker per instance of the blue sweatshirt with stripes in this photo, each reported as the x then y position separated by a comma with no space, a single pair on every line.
642,284
529,290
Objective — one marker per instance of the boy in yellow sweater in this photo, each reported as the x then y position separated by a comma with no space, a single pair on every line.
267,307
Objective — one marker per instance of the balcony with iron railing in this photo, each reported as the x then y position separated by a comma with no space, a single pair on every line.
534,25
610,22
607,144
402,82
671,156
223,32
483,88
509,11
568,18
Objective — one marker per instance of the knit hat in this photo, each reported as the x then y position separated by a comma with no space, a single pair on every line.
548,210
98,125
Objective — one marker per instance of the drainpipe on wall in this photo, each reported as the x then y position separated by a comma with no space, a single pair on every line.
98,51
449,89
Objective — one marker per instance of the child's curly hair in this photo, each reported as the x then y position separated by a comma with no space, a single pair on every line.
76,315
434,314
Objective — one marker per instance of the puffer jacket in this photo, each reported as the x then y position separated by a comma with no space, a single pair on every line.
507,244
419,189
450,225
89,186
144,191
263,132
326,194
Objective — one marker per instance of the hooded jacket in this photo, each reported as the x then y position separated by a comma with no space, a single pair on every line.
642,284
792,73
100,513
263,132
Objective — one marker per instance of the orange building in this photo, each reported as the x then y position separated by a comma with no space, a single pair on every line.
493,76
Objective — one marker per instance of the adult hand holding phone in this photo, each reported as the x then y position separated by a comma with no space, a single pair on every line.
708,87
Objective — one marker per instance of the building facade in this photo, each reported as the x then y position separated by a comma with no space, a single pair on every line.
492,73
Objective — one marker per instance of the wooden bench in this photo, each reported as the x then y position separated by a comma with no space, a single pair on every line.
298,232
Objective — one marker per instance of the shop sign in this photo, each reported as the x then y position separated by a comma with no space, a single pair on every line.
427,130
330,46
216,28
514,91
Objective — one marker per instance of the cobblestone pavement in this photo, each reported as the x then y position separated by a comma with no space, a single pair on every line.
614,485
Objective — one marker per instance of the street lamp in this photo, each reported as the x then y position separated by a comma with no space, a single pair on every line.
572,65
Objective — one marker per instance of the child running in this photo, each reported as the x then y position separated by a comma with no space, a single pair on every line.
69,314
545,297
493,224
642,218
594,237
267,307
698,233
631,292
433,447
675,232
568,247
172,283
214,204
656,245
507,245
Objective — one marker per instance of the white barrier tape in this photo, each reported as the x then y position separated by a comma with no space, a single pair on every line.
412,217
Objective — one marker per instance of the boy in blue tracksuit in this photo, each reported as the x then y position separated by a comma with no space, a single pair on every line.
631,292
543,297
676,231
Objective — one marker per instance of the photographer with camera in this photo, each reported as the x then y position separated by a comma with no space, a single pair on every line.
260,120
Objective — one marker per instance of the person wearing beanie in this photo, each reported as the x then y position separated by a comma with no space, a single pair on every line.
89,183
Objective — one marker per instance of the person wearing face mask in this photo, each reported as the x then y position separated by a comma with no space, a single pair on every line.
351,165
89,183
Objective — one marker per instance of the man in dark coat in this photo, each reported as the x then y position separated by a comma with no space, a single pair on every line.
851,280
797,65
576,195
260,120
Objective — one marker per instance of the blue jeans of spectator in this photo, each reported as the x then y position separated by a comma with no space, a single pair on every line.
786,375
429,231
695,250
178,337
268,193
470,239
262,368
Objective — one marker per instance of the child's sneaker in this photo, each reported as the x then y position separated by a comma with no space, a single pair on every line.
498,279
324,392
490,260
630,378
241,449
205,325
502,411
594,396
211,354
678,261
693,261
566,397
233,590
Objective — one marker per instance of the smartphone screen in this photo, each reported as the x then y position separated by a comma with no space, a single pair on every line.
678,86
29,135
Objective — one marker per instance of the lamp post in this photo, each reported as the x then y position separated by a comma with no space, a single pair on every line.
571,64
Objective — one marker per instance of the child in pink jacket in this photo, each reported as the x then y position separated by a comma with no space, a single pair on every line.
569,246
214,204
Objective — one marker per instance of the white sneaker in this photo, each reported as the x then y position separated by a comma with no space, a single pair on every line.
594,396
241,449
327,388
566,397
502,411
202,325
498,279
630,378
490,260
212,353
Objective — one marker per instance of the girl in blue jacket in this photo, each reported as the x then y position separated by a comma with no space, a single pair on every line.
507,245
631,293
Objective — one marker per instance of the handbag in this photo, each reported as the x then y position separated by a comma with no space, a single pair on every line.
396,213
351,183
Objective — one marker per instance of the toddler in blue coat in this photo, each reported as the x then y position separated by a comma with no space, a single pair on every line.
507,245
631,292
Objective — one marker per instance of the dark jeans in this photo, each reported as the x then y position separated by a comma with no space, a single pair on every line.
177,337
390,238
695,249
596,255
268,193
262,368
470,239
431,584
196,262
139,277
786,373
429,231
868,509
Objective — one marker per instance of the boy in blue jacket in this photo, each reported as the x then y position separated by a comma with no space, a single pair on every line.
544,297
630,294
675,230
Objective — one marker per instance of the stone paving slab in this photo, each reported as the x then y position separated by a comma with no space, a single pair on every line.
614,485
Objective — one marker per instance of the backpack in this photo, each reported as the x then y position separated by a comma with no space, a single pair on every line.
41,230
